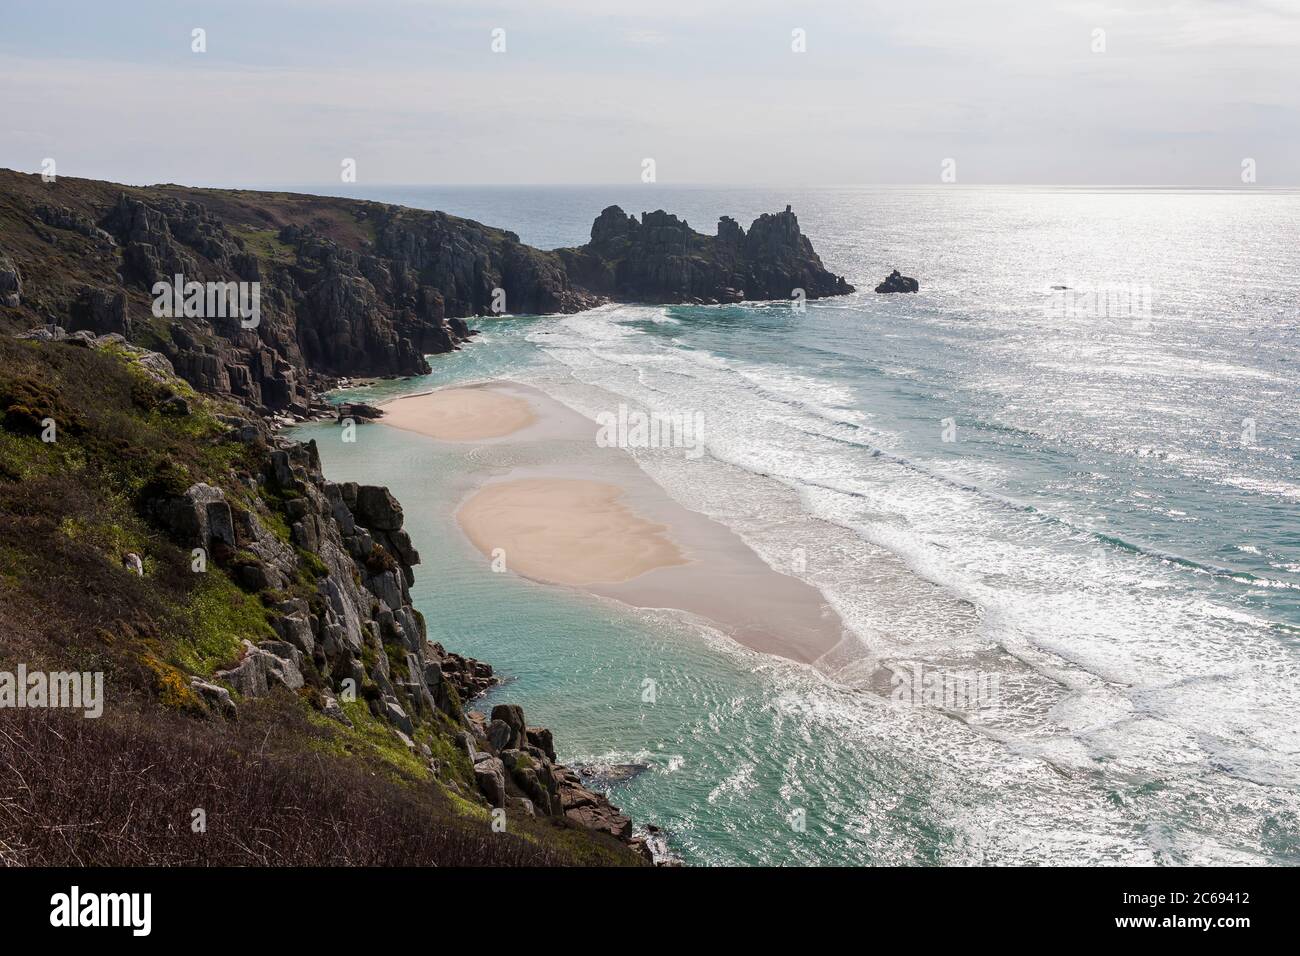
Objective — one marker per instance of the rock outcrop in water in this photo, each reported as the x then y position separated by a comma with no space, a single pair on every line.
897,282
661,259
347,287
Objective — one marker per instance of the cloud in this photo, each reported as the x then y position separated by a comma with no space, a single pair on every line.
1009,87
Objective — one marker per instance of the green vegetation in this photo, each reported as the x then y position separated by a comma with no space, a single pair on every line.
108,538
311,564
73,507
266,245
216,620
24,457
372,740
71,510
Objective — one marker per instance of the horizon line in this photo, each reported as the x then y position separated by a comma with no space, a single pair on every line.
269,186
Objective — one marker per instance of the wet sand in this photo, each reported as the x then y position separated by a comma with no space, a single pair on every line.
460,414
566,531
558,509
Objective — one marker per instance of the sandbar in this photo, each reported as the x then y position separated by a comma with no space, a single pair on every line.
460,414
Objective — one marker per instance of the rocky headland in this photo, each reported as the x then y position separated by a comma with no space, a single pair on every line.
166,458
348,288
661,259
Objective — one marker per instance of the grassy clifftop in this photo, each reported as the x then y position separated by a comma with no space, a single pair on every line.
101,453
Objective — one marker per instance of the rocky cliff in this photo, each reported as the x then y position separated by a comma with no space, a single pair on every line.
209,569
661,259
347,287
162,533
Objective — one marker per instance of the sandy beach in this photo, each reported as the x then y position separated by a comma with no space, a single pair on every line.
566,531
460,414
582,516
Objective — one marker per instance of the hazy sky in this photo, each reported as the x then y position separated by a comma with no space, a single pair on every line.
711,90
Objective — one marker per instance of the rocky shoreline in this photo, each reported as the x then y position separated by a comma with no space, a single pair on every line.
337,587
515,765
347,289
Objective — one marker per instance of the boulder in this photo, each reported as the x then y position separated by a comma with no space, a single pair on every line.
490,775
466,741
397,716
45,333
332,709
201,516
102,311
500,736
283,650
601,817
529,780
541,738
522,806
377,509
157,366
295,629
896,282
259,671
359,410
512,715
216,697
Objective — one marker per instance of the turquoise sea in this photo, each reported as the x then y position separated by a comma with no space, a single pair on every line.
1091,494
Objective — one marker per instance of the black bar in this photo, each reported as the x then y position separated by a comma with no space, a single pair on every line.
337,905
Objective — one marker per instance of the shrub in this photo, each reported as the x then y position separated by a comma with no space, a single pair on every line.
132,785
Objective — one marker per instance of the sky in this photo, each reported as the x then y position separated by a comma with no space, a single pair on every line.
992,91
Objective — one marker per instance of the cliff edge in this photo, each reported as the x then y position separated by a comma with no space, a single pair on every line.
263,669
345,288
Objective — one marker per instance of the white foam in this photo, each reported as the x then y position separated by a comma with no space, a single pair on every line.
907,550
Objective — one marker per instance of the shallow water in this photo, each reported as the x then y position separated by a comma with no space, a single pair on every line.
1110,546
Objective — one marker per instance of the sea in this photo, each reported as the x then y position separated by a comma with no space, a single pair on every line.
1055,496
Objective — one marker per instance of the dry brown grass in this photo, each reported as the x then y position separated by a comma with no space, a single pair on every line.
78,792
